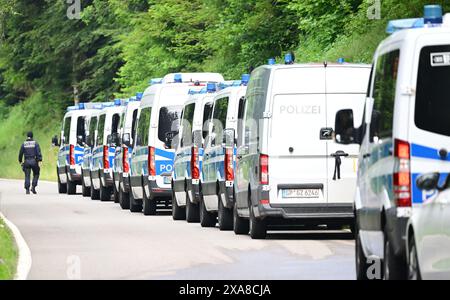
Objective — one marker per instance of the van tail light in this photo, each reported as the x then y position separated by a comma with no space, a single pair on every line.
402,174
126,165
72,155
105,157
229,167
195,170
264,169
151,161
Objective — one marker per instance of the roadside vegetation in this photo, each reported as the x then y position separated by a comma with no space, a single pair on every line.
8,253
119,45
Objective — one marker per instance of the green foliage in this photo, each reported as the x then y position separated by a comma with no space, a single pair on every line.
8,253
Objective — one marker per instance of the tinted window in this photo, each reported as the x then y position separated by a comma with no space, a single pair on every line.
188,119
241,114
168,121
134,123
384,92
432,111
81,129
220,117
115,123
207,114
66,130
101,130
143,127
92,128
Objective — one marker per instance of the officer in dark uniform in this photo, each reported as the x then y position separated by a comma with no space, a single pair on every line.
32,152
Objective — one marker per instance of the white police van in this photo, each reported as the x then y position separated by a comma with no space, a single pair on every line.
71,147
158,120
104,150
189,153
122,158
219,157
91,121
289,171
406,133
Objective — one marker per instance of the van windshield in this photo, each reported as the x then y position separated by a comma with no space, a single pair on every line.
433,90
168,121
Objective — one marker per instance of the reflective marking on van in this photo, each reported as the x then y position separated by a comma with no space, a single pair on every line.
419,196
426,152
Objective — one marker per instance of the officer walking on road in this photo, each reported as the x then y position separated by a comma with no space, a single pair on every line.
32,152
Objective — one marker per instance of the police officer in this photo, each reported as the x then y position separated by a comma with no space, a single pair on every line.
32,152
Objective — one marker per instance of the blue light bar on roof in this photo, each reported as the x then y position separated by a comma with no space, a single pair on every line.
341,60
178,78
432,14
108,104
432,18
139,96
245,79
72,108
288,59
396,25
271,61
156,81
211,87
81,106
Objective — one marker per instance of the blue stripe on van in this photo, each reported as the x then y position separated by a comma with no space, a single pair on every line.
165,154
426,152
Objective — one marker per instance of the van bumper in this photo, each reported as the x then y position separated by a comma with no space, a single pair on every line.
87,177
316,213
227,189
194,188
154,191
106,178
396,231
124,182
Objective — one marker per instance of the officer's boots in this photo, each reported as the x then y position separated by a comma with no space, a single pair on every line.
33,190
27,191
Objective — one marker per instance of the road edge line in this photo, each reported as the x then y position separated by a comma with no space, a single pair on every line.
24,260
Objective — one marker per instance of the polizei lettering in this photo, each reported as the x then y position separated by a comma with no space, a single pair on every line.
301,110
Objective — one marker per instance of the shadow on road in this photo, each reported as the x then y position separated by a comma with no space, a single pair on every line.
308,235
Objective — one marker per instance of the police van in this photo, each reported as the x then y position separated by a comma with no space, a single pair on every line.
219,157
406,133
153,156
123,152
91,121
71,147
104,150
289,170
189,153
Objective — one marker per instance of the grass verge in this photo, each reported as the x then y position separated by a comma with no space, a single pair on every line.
8,253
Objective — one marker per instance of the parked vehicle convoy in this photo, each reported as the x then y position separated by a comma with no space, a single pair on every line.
153,156
405,135
71,147
122,157
104,150
219,156
187,169
289,171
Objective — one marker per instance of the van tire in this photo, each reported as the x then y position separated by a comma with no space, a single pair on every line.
62,187
207,219
86,191
394,267
225,217
178,212
360,259
258,227
71,188
95,194
240,225
413,266
124,200
192,211
105,192
135,207
116,193
149,205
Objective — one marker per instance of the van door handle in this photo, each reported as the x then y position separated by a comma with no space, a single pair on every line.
367,155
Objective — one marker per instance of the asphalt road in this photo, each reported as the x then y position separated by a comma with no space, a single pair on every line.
72,237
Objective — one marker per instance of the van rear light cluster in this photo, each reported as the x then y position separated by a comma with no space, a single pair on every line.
195,170
72,155
151,161
264,169
402,175
126,165
229,165
105,157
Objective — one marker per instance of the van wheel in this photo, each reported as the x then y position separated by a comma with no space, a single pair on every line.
225,217
116,193
178,212
135,206
124,200
105,192
240,225
361,260
394,267
207,219
149,205
192,211
413,268
71,188
95,194
258,227
86,191
62,187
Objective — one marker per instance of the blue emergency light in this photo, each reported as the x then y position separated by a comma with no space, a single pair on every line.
81,106
178,78
341,60
245,79
432,14
288,59
117,102
139,96
432,17
272,61
211,87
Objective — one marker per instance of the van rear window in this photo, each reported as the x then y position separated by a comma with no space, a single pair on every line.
432,112
169,118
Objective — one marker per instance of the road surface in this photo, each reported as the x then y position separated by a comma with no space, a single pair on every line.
72,237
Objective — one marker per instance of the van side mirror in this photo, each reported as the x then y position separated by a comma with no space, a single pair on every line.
344,127
169,139
55,142
126,139
80,140
428,182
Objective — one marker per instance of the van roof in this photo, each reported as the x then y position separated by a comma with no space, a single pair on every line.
231,90
177,89
316,65
193,77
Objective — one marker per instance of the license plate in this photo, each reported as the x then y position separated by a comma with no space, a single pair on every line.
302,193
167,180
